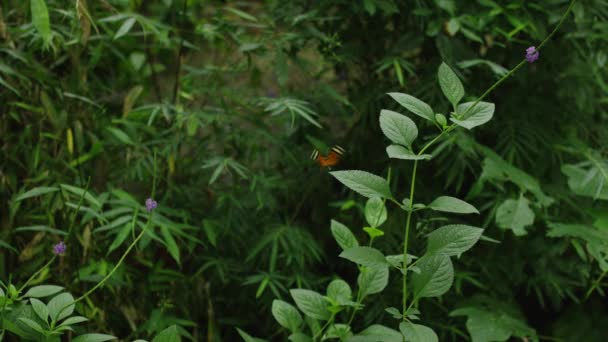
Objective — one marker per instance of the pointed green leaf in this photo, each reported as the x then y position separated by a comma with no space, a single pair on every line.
344,237
41,291
170,334
41,190
453,239
414,105
124,28
450,84
170,243
400,152
40,309
477,116
94,338
61,306
364,183
311,303
339,291
435,277
287,315
40,20
248,338
452,205
363,255
375,212
372,280
417,333
398,128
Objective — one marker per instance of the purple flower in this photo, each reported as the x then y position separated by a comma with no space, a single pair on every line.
150,204
532,54
59,249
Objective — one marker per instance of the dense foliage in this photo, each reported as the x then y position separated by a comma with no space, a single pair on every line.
212,109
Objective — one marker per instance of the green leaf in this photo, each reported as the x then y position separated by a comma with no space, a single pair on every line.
124,28
41,190
477,116
248,338
32,324
373,232
400,152
168,335
372,280
450,84
80,193
120,237
414,105
375,212
94,338
339,291
287,315
41,229
299,337
41,291
73,320
120,135
311,303
591,182
453,239
3,244
170,243
366,256
377,333
58,303
40,309
435,277
515,215
398,128
364,183
417,333
494,324
452,205
40,20
343,236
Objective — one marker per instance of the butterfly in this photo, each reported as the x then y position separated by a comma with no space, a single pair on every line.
329,160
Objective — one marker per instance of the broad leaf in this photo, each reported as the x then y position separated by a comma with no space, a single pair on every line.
515,215
453,239
450,84
477,116
417,333
435,277
375,212
414,105
400,152
40,309
287,315
398,128
61,306
311,303
343,236
366,256
41,291
364,183
452,205
339,291
377,333
170,334
372,280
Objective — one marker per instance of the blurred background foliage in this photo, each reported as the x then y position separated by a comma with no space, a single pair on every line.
234,95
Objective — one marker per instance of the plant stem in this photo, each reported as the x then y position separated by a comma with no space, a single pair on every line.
36,274
595,285
449,129
320,332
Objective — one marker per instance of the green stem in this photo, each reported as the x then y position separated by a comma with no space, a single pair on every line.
36,274
595,285
320,332
407,236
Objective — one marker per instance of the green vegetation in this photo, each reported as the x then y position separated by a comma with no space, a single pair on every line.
156,184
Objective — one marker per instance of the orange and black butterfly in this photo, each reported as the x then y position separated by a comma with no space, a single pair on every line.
331,159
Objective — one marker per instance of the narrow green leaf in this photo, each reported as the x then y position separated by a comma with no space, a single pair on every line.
36,192
398,128
311,303
364,183
170,242
124,28
452,205
94,338
248,338
453,239
414,105
73,320
435,277
120,237
40,309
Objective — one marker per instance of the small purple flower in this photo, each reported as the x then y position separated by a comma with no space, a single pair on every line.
532,54
59,249
150,204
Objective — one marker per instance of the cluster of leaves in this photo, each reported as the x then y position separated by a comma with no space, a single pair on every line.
232,96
